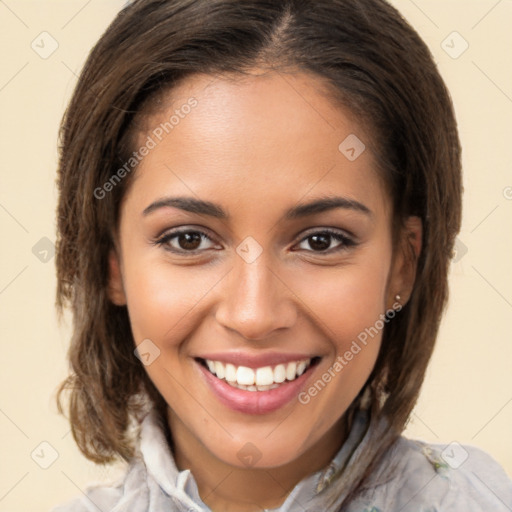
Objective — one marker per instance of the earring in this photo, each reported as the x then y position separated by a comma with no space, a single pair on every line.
395,306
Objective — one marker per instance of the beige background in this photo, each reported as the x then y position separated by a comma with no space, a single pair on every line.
468,394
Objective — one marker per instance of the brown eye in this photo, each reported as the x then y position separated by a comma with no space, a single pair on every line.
186,241
326,241
189,241
319,242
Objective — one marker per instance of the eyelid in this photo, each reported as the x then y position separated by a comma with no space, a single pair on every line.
326,229
169,234
345,238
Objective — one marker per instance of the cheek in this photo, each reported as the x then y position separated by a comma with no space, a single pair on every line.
345,301
163,299
348,306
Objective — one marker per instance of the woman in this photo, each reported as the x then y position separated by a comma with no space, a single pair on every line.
258,206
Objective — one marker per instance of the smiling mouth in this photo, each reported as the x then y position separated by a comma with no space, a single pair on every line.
263,378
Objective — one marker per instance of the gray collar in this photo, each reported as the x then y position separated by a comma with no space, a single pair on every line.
160,464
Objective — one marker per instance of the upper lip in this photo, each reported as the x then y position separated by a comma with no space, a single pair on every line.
255,360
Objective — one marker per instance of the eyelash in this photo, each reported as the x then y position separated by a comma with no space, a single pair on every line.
346,241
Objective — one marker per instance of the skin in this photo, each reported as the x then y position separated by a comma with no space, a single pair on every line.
257,147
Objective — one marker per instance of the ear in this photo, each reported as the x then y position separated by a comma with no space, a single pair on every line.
405,263
115,289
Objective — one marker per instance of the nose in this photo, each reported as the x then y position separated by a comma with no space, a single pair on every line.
256,302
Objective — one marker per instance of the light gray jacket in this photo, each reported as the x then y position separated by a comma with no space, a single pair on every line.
427,478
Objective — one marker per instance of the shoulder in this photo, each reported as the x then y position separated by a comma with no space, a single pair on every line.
419,477
104,498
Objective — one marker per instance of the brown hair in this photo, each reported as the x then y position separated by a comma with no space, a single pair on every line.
379,68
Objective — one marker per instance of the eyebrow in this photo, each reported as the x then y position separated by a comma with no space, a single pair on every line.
201,207
189,204
324,204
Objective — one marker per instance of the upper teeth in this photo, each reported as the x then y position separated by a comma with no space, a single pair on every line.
257,379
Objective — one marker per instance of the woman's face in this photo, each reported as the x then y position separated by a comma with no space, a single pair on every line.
256,262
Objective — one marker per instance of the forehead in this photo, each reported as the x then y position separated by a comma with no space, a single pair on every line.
276,131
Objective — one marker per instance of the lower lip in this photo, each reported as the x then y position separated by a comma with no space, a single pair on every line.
254,402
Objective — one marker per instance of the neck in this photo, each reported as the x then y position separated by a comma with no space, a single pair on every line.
227,488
